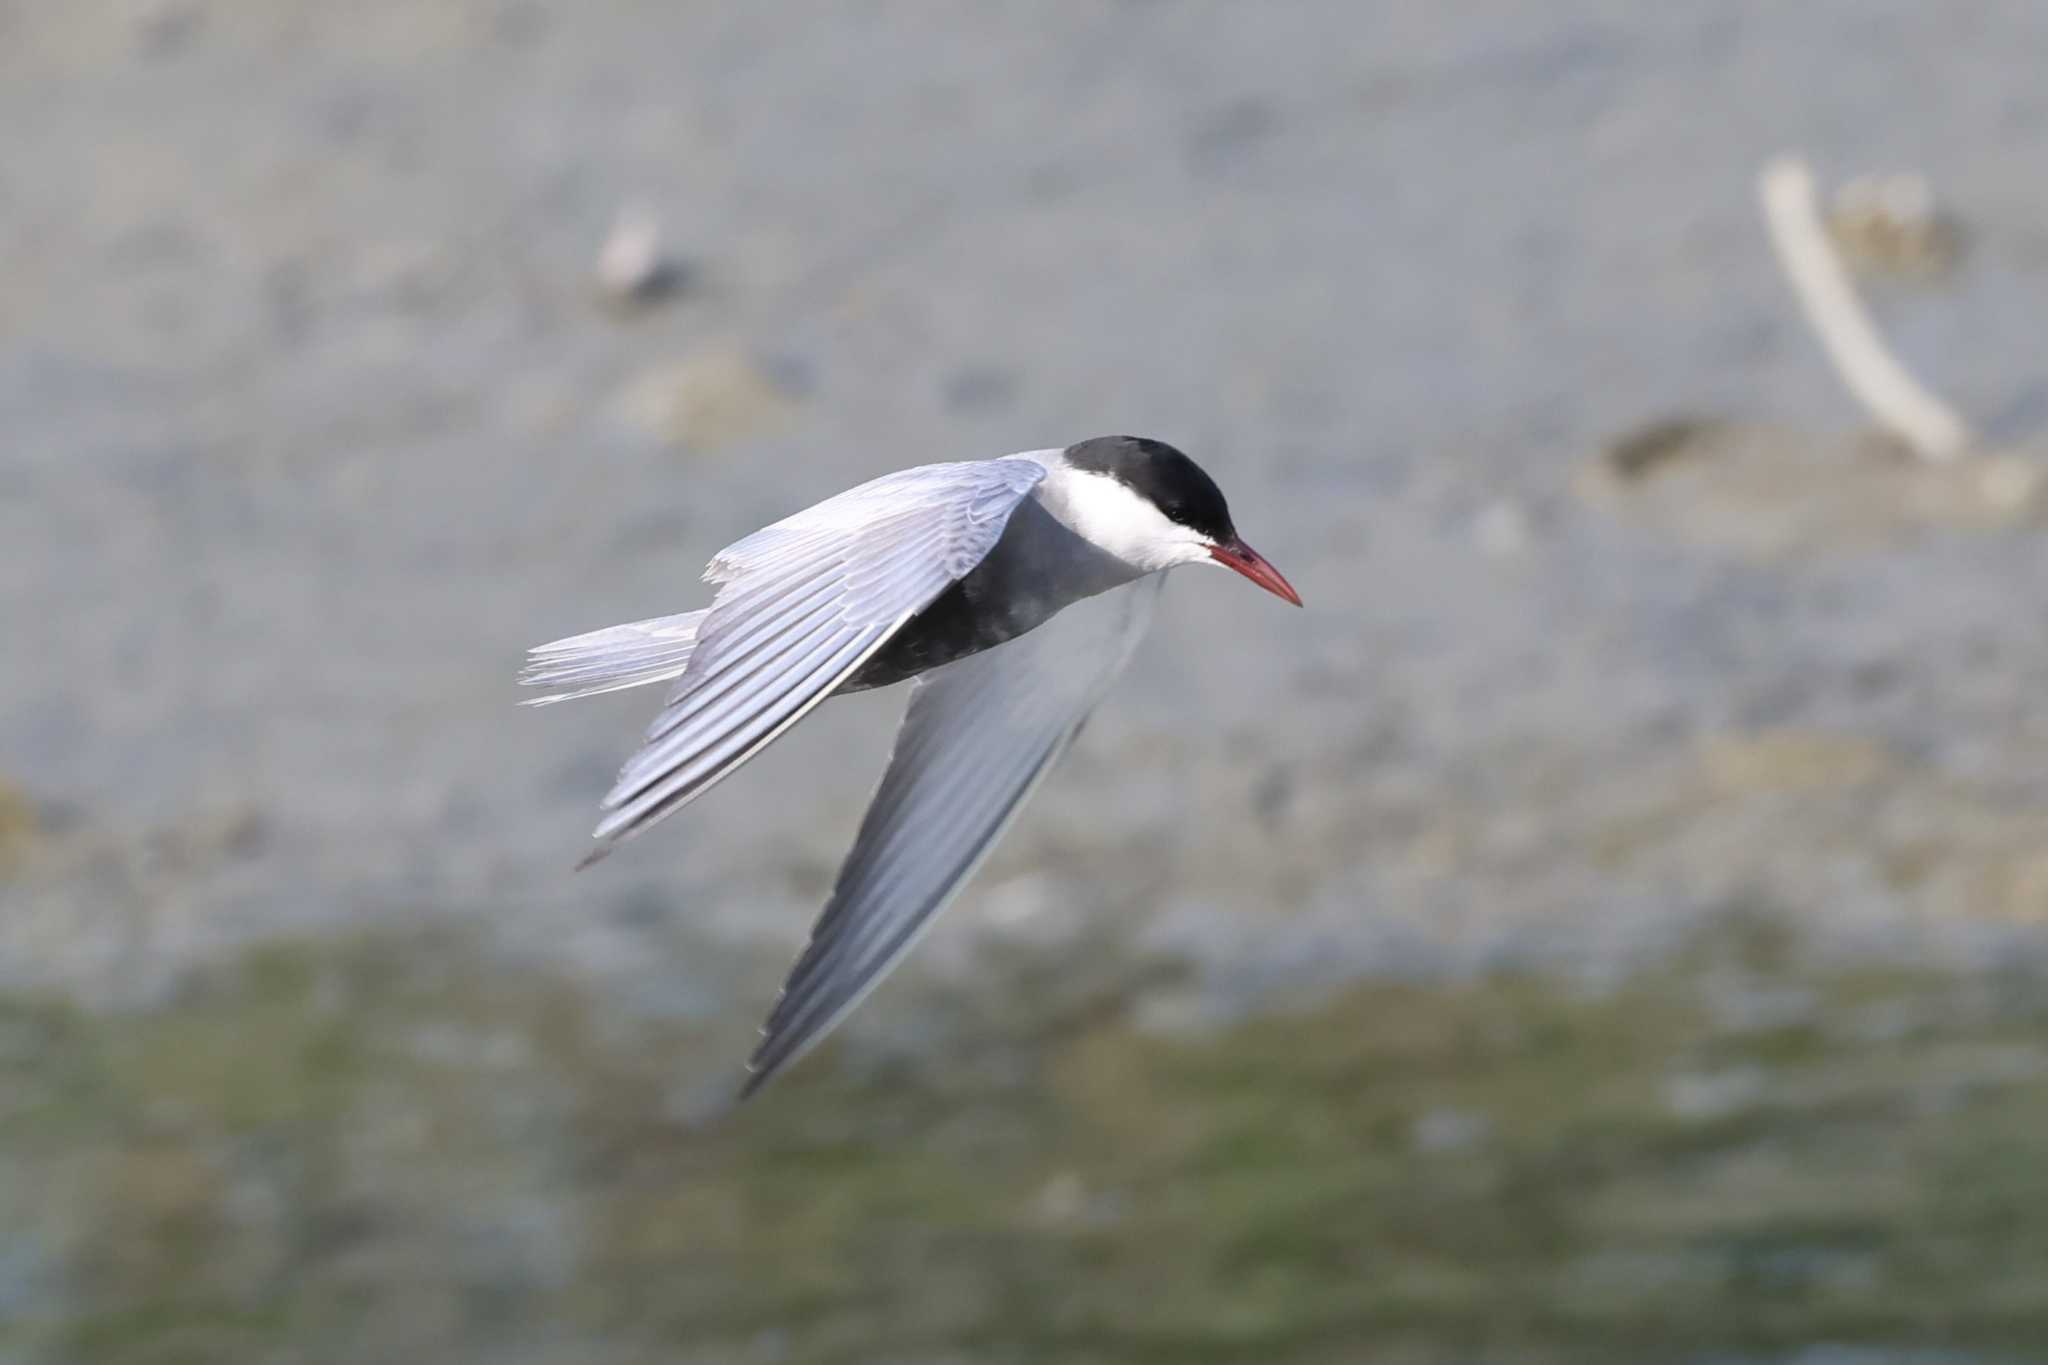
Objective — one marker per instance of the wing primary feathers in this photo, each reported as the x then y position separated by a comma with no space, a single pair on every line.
714,744
626,823
797,1035
882,886
777,662
800,606
978,737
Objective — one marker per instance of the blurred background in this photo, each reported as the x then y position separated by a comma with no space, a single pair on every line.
1606,926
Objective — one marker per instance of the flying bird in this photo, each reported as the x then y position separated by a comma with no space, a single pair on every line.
1010,592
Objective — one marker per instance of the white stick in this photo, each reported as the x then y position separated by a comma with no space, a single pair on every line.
1821,281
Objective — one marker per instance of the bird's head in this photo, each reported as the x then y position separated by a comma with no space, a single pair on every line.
1153,507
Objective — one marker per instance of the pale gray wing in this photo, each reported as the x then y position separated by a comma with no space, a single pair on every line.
612,659
979,734
802,604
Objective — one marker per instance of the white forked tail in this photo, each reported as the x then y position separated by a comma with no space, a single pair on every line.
612,659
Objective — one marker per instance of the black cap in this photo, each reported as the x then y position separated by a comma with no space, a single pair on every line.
1162,475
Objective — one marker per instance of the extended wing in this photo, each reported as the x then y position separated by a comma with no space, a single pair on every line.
802,604
978,736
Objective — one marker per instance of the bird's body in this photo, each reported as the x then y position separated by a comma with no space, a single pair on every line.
1012,591
1037,567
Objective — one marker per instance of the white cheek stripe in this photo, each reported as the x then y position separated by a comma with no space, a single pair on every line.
1106,513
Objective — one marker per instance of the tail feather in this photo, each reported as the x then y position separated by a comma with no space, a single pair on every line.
612,659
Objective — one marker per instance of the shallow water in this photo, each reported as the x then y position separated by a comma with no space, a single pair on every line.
1729,1159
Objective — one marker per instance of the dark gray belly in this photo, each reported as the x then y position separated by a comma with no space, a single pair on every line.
1037,567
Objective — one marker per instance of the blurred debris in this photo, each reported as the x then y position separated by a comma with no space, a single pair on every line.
706,400
1774,492
1642,449
1791,760
1892,224
1820,281
634,268
1769,492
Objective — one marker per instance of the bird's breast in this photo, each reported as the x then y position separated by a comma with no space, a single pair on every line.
1037,567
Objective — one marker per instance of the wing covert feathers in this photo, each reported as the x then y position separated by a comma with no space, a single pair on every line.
801,605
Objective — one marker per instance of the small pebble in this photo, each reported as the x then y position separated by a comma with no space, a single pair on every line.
1892,223
633,268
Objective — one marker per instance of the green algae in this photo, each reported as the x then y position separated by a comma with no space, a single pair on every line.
402,1148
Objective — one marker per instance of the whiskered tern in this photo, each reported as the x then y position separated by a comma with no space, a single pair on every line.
1010,591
